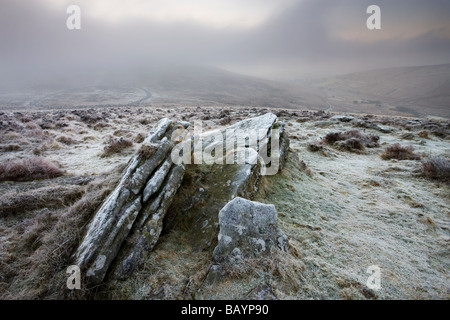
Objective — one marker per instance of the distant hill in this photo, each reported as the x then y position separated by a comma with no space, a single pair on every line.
216,86
409,91
419,91
176,85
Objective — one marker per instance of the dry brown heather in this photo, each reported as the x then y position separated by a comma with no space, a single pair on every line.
116,145
342,210
27,169
40,229
436,167
398,152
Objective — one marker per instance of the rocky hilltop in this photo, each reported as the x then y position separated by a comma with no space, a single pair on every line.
127,226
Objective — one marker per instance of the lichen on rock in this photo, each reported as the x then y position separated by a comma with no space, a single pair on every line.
247,230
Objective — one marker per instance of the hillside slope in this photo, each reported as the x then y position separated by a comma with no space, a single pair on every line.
162,86
418,91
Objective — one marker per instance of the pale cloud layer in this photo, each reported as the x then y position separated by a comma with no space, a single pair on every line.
210,13
280,39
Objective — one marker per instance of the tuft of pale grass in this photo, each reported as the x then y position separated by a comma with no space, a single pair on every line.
52,145
65,140
116,145
283,268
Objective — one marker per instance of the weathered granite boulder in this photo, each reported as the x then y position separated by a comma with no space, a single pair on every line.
148,227
142,196
247,230
342,118
208,188
152,193
372,125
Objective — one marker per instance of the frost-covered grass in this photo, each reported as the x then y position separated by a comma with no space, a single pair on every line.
343,212
356,210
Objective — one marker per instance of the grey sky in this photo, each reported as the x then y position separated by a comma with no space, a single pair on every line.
284,39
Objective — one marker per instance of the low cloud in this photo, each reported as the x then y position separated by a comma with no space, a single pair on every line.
289,40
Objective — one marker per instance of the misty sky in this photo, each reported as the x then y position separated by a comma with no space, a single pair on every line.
277,39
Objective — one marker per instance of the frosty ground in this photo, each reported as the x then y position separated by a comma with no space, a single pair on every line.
342,211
